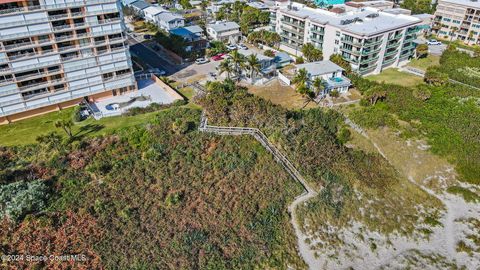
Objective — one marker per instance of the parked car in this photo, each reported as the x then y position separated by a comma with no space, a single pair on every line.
434,42
201,60
231,47
242,47
147,36
156,71
218,57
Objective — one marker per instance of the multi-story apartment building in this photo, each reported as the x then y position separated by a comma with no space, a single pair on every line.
458,20
54,53
369,39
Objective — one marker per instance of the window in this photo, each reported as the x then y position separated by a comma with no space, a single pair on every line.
337,33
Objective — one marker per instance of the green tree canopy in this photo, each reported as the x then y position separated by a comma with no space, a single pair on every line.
338,59
311,53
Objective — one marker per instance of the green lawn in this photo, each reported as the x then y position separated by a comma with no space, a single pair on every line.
424,63
394,76
187,92
26,131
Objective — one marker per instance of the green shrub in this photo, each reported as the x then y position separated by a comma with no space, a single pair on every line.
467,195
269,53
344,135
21,198
435,77
299,60
334,94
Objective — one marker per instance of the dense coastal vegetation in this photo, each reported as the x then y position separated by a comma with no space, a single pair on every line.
315,140
159,195
447,115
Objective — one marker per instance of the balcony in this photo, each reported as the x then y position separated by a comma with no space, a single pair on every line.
389,61
39,74
62,27
367,69
408,39
409,47
369,60
397,36
393,44
319,31
370,51
41,84
352,42
20,56
297,39
59,16
369,43
3,81
354,52
393,52
18,45
292,30
351,60
294,24
54,6
316,39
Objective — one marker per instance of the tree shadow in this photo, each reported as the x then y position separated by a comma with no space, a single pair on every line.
86,130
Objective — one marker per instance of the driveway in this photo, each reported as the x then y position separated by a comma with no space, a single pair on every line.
436,49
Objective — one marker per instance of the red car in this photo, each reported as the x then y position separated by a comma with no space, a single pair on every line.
218,57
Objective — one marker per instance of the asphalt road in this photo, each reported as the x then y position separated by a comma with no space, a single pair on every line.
151,58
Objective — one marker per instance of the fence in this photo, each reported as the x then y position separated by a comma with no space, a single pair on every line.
260,137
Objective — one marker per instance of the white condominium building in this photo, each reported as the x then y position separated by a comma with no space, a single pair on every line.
369,39
458,19
54,53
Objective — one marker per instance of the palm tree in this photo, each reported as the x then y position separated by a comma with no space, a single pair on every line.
318,85
66,125
311,53
253,65
238,61
301,78
452,32
226,67
307,93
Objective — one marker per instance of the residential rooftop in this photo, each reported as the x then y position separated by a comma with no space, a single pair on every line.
223,26
260,57
140,4
154,10
168,16
365,21
258,5
320,67
192,30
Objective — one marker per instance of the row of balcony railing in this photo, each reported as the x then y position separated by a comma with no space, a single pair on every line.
56,82
61,28
58,39
64,49
72,4
55,100
64,59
